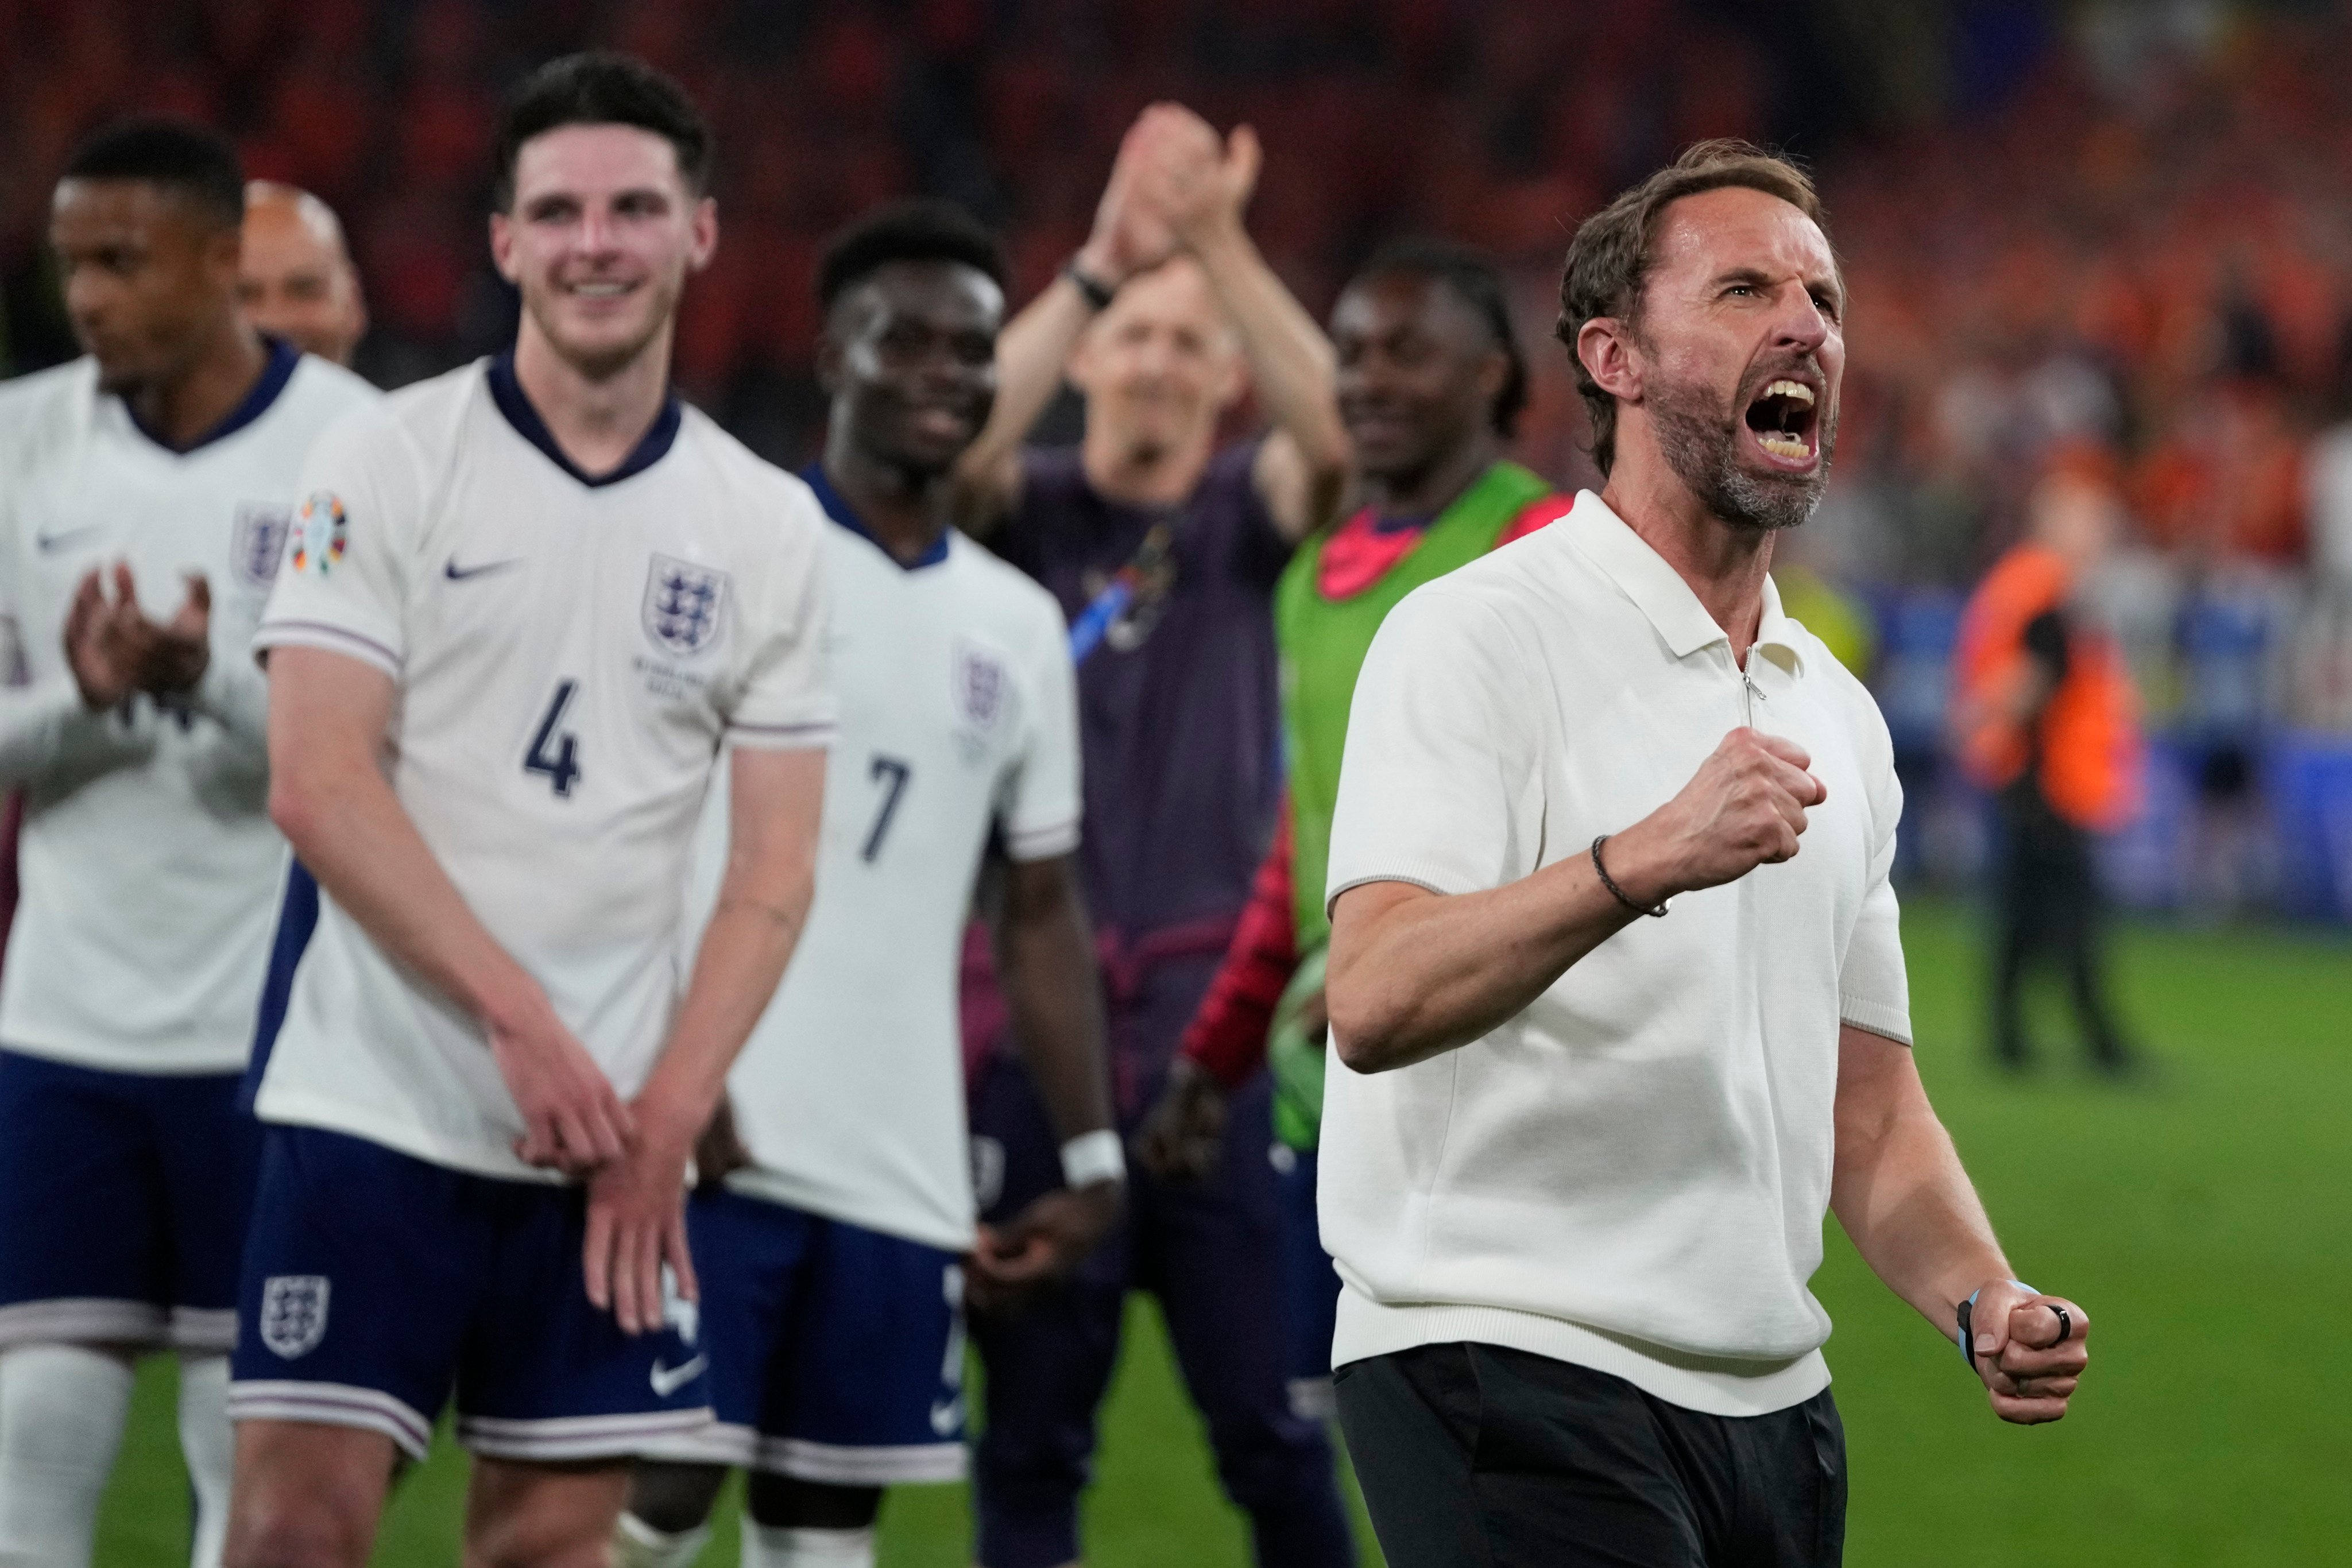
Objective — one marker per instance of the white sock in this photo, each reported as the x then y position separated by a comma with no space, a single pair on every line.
61,1413
786,1546
208,1444
637,1544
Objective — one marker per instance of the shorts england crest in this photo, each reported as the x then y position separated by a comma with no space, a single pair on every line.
377,1285
123,1204
836,1352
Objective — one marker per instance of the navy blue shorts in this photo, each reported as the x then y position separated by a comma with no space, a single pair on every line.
123,1199
376,1285
836,1352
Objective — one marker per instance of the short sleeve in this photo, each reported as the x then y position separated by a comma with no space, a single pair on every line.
342,583
1436,781
1874,988
785,702
1039,806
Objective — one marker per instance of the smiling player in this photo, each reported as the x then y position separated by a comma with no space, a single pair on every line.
522,608
836,1254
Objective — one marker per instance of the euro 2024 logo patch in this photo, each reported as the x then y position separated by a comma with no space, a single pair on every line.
294,1314
684,604
322,532
259,542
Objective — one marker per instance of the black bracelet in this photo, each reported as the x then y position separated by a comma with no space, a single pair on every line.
1098,293
1611,884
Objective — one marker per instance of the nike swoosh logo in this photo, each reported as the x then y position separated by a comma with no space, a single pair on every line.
947,1415
668,1380
456,573
58,541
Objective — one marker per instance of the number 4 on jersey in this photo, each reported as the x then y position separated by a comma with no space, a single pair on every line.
554,750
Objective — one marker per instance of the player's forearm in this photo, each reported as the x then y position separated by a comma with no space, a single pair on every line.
744,952
1046,958
235,693
776,800
1898,1188
47,725
1292,363
1030,354
349,828
1414,974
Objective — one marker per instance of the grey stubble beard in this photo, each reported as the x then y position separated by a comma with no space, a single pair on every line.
1700,438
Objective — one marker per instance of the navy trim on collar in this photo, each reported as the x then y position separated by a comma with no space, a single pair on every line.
654,445
836,507
276,371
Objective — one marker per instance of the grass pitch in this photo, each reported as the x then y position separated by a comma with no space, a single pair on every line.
2202,1218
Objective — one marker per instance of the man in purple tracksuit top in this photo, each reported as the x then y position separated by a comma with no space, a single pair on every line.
1164,553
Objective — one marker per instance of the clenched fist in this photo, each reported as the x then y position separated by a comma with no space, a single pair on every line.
1743,807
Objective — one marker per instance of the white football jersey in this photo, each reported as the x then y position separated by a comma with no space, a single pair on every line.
149,865
568,656
959,716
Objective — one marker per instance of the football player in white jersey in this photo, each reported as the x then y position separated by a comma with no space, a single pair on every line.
151,472
523,606
834,1258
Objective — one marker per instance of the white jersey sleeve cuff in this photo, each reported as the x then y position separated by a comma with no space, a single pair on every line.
813,735
1042,843
1875,1017
329,638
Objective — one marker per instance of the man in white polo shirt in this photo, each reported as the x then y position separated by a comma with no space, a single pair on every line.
1575,1177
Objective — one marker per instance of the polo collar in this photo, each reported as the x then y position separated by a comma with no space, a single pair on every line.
1658,590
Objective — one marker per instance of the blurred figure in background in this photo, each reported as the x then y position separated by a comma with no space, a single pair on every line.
295,277
1164,552
1431,384
296,281
2046,717
156,469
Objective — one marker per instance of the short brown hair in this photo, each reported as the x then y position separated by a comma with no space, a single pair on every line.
1609,259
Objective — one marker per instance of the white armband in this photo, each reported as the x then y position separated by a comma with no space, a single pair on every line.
1091,1157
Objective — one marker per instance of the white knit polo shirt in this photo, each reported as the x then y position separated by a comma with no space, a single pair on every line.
1632,1174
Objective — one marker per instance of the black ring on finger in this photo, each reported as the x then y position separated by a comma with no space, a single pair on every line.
2065,1325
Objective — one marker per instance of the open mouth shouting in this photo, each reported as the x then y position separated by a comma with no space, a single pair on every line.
1784,420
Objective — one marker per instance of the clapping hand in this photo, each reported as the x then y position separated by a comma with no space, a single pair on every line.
1198,182
114,650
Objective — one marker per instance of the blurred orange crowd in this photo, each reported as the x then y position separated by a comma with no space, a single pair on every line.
2150,254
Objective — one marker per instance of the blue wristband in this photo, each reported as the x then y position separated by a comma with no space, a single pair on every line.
1968,1312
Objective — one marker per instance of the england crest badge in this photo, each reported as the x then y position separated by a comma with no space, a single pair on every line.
259,542
684,605
980,682
294,1314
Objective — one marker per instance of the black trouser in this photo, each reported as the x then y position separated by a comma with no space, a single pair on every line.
2049,910
1472,1456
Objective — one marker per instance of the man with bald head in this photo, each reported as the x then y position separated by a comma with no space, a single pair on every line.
295,277
1164,552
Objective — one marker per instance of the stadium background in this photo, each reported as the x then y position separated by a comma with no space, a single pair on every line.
2125,223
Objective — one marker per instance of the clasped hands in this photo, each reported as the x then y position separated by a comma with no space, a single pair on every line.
1176,185
114,650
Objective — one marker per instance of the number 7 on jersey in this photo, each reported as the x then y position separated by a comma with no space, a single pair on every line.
892,775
